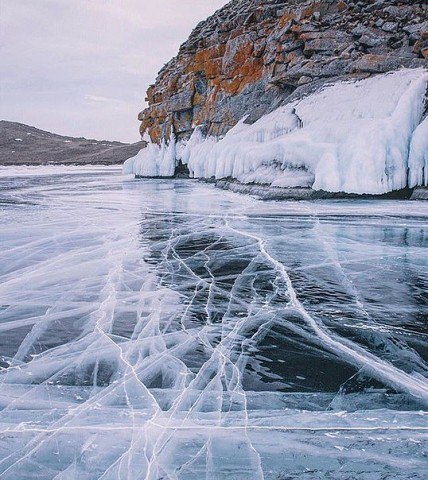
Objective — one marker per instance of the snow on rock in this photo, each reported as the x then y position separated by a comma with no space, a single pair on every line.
356,137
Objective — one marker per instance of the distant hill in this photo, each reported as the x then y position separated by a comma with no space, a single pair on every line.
21,144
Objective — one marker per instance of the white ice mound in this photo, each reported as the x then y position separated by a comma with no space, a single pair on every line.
153,161
356,137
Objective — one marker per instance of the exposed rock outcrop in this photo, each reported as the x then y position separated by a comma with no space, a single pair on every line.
267,192
420,193
24,145
253,55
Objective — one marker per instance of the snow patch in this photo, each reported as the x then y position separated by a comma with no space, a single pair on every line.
355,137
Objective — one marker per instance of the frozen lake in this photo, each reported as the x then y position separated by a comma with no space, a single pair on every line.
170,330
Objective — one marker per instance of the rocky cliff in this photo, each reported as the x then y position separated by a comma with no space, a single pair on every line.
254,55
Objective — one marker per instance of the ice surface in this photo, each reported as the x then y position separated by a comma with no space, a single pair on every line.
165,329
351,136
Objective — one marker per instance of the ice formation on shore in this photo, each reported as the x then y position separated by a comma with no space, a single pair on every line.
418,157
358,136
154,160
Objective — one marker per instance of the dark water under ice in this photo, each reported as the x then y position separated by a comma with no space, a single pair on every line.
170,330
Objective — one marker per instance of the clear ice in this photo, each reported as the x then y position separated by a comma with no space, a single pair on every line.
165,329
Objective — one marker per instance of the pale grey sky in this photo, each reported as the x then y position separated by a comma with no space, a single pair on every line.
81,67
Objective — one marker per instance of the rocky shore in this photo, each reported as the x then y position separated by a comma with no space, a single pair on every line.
268,192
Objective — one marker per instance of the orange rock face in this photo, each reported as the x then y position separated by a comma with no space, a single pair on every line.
252,54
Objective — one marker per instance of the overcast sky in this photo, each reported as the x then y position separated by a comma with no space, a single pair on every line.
81,67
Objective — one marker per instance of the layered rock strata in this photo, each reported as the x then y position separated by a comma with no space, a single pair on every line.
252,56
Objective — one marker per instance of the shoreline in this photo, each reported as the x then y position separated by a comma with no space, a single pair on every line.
268,192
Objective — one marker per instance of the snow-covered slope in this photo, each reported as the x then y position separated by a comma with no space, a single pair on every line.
359,137
22,144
